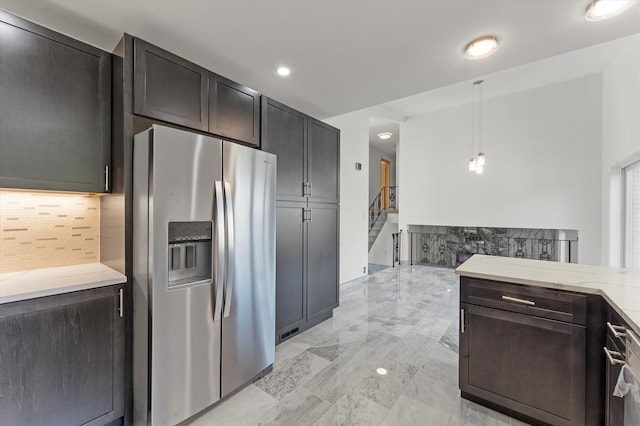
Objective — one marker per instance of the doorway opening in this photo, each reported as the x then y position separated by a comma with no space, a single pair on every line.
385,182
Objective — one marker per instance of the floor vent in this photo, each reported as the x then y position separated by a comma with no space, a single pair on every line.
288,333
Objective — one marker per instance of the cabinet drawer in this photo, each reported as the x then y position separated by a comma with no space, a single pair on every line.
536,301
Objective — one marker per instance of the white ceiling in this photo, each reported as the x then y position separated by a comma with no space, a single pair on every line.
344,55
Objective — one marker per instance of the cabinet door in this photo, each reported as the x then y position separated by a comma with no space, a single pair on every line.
290,270
234,110
323,160
531,365
62,359
614,407
55,110
283,134
322,259
169,88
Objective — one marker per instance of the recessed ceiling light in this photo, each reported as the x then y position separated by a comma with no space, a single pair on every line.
604,9
385,135
481,47
284,71
381,371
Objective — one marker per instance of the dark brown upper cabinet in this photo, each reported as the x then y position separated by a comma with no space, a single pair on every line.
55,110
308,153
234,110
284,134
323,162
169,88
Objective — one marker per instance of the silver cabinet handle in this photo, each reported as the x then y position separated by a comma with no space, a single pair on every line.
304,189
618,331
106,178
220,250
610,356
121,307
462,320
515,299
310,188
229,219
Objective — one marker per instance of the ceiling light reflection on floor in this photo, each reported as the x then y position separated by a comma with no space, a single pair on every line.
381,371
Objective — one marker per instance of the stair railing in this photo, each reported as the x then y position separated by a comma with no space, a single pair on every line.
396,247
376,208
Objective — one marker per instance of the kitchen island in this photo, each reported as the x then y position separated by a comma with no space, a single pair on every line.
532,335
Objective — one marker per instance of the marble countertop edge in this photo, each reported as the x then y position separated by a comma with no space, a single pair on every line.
24,285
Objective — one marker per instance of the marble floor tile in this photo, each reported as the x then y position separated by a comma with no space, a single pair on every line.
400,365
298,408
410,412
404,319
286,378
243,408
351,410
467,413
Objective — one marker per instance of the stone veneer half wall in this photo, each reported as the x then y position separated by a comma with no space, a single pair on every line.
46,230
451,245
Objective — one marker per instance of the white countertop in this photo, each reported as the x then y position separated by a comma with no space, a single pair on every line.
24,285
620,287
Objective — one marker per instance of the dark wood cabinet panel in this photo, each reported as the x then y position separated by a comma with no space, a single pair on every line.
62,359
323,161
169,88
308,169
234,110
290,270
283,134
533,352
55,110
614,405
322,259
532,365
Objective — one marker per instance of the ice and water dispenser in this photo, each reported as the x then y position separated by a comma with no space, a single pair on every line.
189,252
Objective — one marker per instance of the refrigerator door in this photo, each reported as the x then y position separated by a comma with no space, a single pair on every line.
185,339
248,324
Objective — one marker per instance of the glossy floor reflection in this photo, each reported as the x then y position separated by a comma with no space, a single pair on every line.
402,319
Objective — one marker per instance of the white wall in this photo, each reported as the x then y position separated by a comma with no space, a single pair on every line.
543,150
374,171
354,197
620,140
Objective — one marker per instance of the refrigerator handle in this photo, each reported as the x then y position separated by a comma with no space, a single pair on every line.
228,285
219,261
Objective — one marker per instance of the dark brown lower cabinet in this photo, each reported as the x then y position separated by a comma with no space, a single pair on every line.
62,359
307,260
533,366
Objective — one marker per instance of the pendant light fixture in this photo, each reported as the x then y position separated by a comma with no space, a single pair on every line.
477,162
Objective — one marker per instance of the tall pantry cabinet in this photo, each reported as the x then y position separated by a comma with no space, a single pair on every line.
307,236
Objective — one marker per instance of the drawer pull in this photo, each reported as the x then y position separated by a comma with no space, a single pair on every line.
618,331
610,356
515,299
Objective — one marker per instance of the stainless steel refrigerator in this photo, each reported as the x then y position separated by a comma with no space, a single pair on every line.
203,271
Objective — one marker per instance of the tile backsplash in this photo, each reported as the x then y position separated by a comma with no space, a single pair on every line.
45,230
